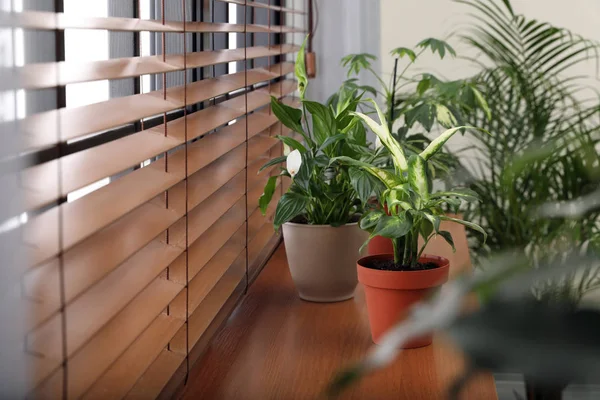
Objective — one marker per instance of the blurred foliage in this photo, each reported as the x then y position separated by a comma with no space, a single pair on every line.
543,143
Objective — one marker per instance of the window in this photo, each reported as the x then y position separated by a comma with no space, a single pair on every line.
142,149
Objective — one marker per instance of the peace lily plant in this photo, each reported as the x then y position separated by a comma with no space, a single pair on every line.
321,191
413,209
319,213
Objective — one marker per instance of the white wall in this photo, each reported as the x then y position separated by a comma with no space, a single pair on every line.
344,27
406,22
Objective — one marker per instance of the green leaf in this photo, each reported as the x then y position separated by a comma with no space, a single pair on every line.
438,142
272,162
437,45
423,114
463,193
468,224
322,160
423,85
482,103
357,62
389,180
357,133
290,205
403,51
417,176
399,195
364,184
302,178
392,227
265,198
300,70
332,140
290,117
382,131
370,220
448,238
434,219
293,143
425,228
445,116
324,123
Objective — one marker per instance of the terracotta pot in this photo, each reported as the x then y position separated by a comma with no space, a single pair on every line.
322,259
390,294
380,245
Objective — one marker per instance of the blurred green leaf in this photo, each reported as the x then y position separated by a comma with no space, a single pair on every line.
275,161
403,51
437,45
267,195
324,123
300,69
293,143
357,62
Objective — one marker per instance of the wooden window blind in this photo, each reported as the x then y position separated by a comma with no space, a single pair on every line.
139,215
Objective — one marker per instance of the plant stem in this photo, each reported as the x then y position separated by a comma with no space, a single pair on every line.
391,120
406,258
397,247
414,248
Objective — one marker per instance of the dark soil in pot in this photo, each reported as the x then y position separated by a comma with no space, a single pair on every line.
390,265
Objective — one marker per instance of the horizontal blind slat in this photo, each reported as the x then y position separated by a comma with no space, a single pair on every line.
250,3
115,337
156,377
129,368
211,178
93,309
52,74
211,273
208,212
211,241
39,130
41,20
200,320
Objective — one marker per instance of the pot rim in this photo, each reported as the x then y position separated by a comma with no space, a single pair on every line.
441,261
404,280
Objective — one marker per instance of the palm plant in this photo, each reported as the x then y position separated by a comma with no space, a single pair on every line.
544,137
413,209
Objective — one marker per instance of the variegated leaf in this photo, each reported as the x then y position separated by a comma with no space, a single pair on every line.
437,144
417,177
383,133
467,224
389,180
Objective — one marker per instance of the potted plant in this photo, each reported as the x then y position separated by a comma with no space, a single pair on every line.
415,105
320,211
393,282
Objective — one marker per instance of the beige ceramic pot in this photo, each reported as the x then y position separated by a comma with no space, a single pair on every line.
322,259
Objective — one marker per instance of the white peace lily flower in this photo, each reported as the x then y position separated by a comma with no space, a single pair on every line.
294,162
286,150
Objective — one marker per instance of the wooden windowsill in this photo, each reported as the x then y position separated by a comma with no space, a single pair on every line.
276,346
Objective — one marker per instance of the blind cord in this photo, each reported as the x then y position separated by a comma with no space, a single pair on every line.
187,231
246,121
